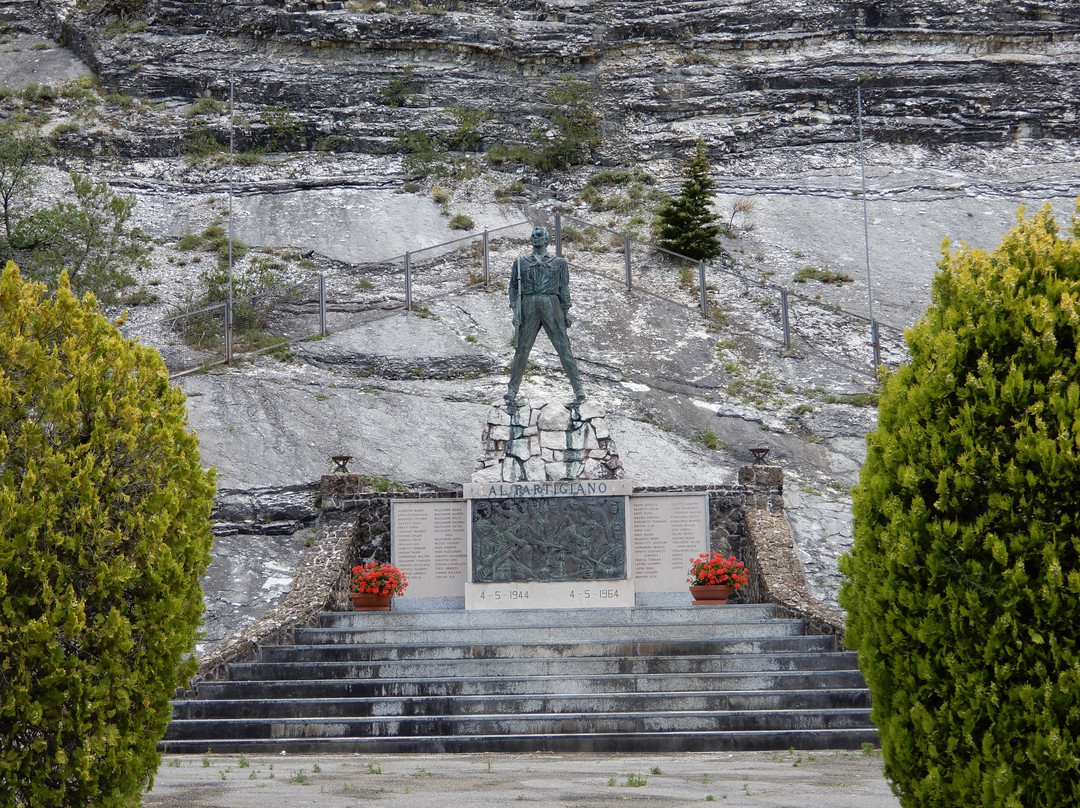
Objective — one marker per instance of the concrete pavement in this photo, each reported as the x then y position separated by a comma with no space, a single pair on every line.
787,779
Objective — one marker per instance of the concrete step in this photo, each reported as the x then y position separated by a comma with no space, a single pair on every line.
528,685
550,618
495,635
563,743
398,706
563,666
653,679
388,653
528,724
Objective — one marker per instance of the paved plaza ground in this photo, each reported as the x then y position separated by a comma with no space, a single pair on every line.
787,779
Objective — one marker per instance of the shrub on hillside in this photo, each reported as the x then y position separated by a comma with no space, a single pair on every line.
104,535
459,221
963,585
569,139
575,123
88,239
21,155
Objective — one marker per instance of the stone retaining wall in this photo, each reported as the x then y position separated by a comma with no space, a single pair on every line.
776,574
746,520
320,574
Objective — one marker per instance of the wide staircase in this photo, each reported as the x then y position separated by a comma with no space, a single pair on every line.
734,677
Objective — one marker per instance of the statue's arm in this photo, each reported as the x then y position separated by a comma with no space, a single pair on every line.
514,272
515,299
564,284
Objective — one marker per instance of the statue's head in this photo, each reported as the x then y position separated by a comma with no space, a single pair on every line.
540,237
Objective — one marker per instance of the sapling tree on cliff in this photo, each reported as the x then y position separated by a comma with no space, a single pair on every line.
20,156
85,234
89,239
963,587
686,224
574,124
104,535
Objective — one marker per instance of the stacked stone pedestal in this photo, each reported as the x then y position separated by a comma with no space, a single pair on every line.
547,441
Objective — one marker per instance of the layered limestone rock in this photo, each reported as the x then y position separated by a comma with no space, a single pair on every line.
745,75
547,441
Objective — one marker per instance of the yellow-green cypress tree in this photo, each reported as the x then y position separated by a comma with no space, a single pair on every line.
963,587
104,535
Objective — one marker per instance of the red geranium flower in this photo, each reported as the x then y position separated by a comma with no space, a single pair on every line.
708,570
377,579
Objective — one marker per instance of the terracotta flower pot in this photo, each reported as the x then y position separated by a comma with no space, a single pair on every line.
366,602
710,595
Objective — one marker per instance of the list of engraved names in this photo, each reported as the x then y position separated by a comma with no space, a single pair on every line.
666,532
428,541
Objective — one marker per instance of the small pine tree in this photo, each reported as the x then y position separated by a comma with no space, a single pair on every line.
88,239
20,158
104,535
963,585
687,224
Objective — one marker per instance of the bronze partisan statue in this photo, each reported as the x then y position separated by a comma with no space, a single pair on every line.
540,296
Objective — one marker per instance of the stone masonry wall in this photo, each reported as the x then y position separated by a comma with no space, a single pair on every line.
318,576
776,574
547,441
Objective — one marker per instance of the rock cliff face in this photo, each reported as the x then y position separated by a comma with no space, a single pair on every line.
746,74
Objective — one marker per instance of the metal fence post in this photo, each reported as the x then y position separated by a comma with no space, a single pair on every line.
228,332
558,233
322,305
408,282
487,268
701,285
626,251
875,340
784,318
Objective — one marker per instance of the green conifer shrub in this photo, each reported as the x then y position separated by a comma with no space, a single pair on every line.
575,126
568,140
687,224
104,535
963,586
20,157
467,135
89,239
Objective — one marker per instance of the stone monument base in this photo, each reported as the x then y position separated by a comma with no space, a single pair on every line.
547,440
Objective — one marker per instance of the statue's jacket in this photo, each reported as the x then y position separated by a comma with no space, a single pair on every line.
547,275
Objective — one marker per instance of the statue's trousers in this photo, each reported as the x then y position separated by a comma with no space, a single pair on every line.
537,311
